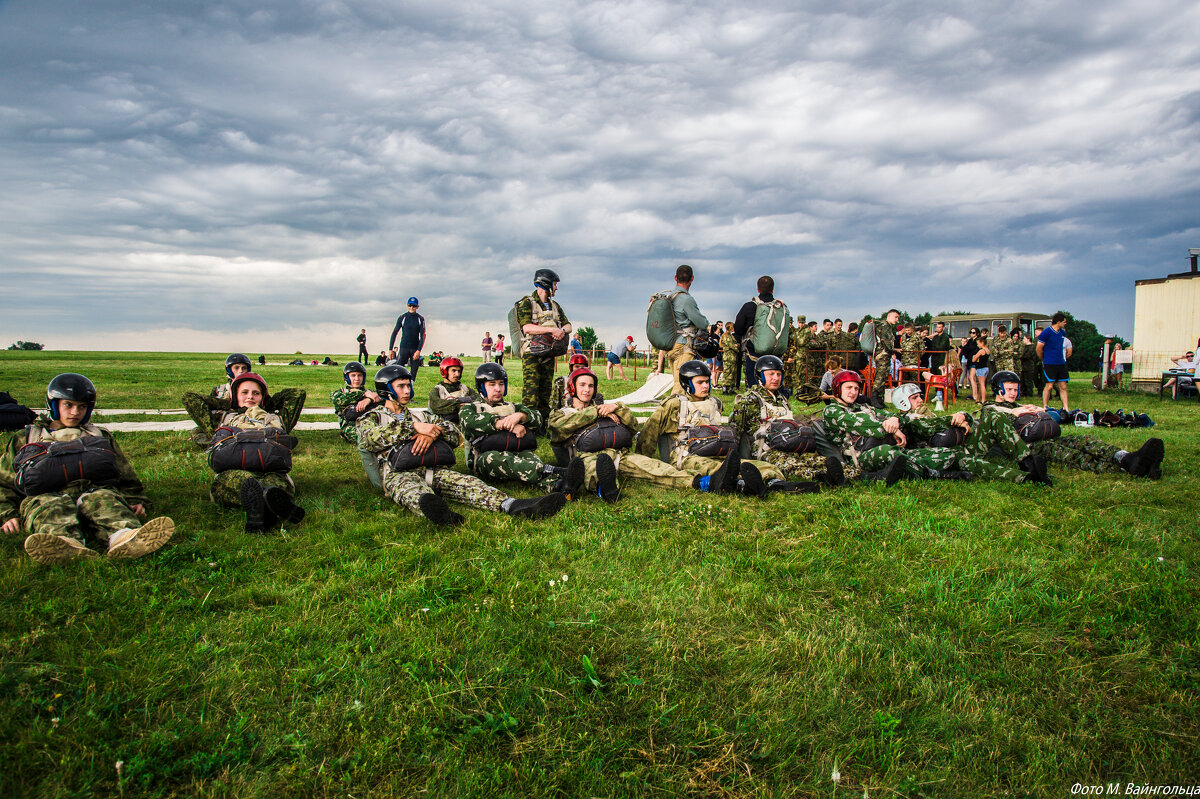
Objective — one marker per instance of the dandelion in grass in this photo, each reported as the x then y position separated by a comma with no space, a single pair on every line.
564,578
551,583
836,776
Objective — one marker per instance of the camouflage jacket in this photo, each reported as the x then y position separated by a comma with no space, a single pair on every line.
531,311
1029,356
254,418
566,422
846,342
445,399
665,422
803,338
844,424
479,418
912,346
222,392
885,337
345,400
752,408
1004,353
128,485
379,429
729,347
559,397
821,341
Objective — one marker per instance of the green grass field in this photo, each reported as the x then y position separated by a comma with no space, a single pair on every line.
934,639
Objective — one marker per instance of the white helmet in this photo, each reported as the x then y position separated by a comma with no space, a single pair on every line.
901,396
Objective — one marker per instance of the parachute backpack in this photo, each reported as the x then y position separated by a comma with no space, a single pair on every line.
866,339
660,319
772,325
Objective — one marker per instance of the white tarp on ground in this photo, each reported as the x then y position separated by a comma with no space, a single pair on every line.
656,387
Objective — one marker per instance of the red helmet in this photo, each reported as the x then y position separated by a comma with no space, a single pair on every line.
447,363
845,376
578,373
578,359
242,378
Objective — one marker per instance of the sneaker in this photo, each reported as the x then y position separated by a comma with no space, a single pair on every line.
140,541
606,473
282,506
47,548
435,509
752,482
542,507
254,504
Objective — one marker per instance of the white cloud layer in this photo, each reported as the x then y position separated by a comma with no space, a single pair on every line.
166,167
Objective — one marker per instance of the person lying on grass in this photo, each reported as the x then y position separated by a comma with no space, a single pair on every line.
689,432
206,411
64,479
416,456
1081,451
602,435
251,455
875,439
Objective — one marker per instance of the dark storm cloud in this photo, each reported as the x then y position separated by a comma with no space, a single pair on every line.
335,157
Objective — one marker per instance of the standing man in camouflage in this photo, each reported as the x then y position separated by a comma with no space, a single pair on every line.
538,313
885,347
729,356
798,343
816,354
1004,351
912,347
490,414
1028,363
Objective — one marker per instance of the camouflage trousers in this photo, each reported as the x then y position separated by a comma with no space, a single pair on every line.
100,511
286,403
1029,386
883,367
227,486
205,411
632,466
729,369
524,467
806,465
700,466
677,356
797,368
1082,452
405,488
537,378
348,431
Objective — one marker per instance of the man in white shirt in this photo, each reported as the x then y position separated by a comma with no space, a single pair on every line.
1185,361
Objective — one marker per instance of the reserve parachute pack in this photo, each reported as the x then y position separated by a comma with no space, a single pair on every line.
538,345
1040,426
772,323
788,435
261,450
711,440
505,441
866,339
660,319
603,434
42,467
402,458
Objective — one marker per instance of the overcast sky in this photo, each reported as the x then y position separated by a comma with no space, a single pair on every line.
275,175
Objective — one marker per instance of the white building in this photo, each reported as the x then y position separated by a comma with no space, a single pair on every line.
1166,322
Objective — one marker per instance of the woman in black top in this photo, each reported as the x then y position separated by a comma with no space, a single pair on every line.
980,368
966,354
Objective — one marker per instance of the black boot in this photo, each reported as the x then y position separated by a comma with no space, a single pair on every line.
725,480
890,474
835,475
537,508
752,482
606,474
435,509
785,487
571,483
945,474
254,504
1035,467
1148,456
281,504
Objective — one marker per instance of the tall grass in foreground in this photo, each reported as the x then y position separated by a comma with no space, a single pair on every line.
936,639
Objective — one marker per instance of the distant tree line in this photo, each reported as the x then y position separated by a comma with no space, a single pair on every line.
26,345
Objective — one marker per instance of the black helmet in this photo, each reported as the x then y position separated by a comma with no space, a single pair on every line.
767,363
353,366
385,376
490,371
70,386
545,279
691,369
1002,377
237,357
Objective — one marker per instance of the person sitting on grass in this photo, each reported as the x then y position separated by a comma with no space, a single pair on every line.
763,403
206,411
559,398
102,496
352,400
688,423
416,455
1089,453
875,439
501,438
602,434
448,396
258,481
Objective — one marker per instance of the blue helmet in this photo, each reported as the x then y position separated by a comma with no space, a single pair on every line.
353,366
237,357
74,387
490,371
385,376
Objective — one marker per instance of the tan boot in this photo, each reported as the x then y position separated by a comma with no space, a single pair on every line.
140,541
47,548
